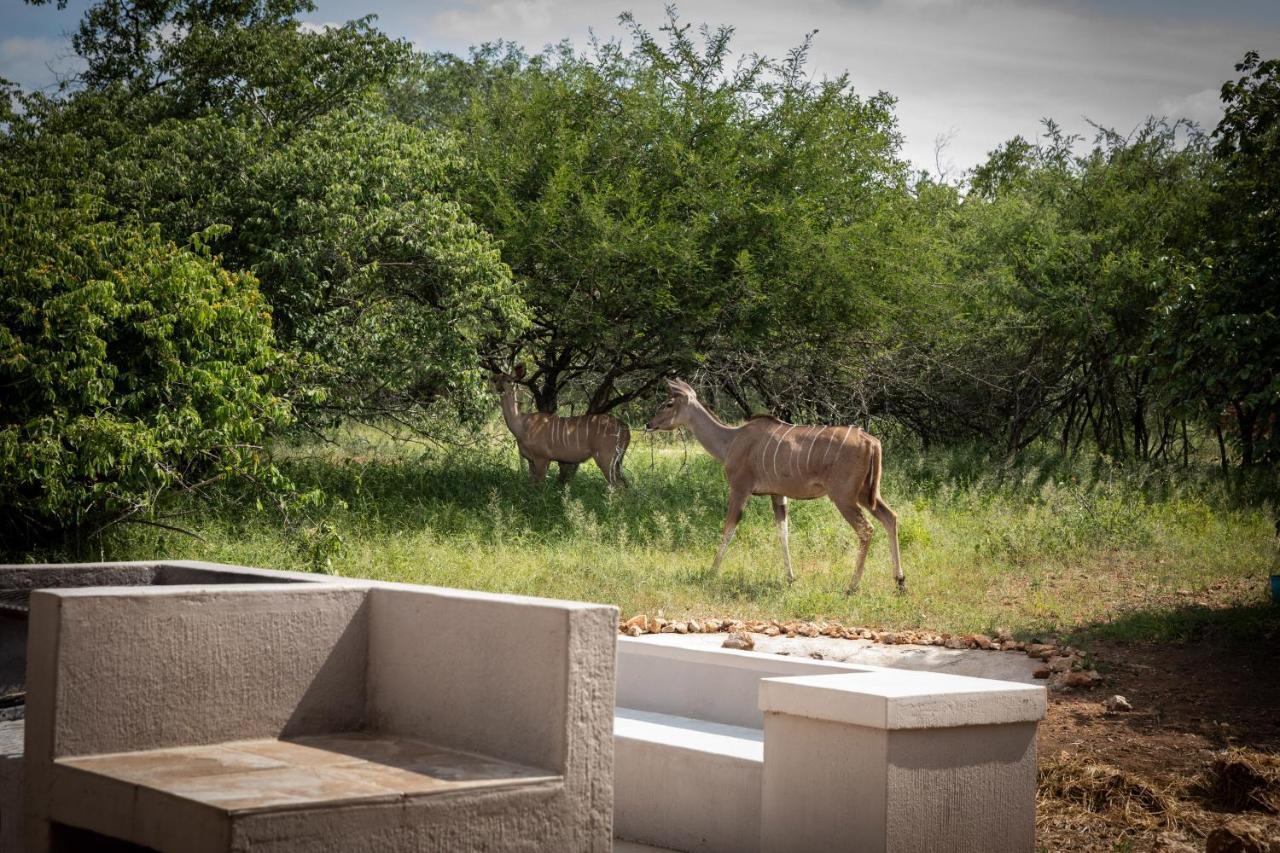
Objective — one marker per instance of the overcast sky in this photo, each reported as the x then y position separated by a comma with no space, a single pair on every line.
974,71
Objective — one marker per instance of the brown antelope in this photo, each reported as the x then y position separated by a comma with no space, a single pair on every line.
544,438
766,456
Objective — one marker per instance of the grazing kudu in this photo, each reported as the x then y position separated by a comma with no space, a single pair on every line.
766,456
544,438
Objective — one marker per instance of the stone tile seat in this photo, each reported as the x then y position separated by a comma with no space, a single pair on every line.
318,716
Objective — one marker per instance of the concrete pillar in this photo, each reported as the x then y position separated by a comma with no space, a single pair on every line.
899,761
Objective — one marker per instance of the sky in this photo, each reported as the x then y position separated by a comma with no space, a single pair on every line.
968,74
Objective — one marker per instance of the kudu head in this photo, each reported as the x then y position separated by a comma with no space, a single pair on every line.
501,379
674,413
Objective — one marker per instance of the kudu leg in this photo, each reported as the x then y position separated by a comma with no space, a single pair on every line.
889,519
858,521
538,469
567,470
737,501
611,466
780,517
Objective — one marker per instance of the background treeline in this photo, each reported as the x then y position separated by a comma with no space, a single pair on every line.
231,228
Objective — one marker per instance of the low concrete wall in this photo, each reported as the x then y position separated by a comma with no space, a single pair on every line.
719,685
854,757
899,761
121,669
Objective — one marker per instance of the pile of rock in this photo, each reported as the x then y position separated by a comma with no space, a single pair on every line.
1064,667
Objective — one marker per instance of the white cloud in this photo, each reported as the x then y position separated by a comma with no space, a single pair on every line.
313,27
1203,107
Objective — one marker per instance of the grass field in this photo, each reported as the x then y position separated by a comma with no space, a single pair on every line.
1040,548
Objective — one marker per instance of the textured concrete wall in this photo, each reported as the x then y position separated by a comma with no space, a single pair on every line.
145,668
897,761
528,680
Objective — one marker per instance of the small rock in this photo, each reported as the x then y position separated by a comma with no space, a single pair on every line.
640,621
954,643
771,631
711,626
1084,680
1117,704
816,655
1034,649
982,641
740,641
695,627
655,625
680,627
1003,635
634,630
889,638
1237,836
1041,672
668,628
1059,664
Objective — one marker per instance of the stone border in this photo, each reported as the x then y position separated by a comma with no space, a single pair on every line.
1064,667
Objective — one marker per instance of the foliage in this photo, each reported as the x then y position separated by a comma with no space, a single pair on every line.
132,367
383,289
663,209
1220,334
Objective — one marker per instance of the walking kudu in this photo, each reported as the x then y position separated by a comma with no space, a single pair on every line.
544,438
766,456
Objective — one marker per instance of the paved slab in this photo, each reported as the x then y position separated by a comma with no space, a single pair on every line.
1004,666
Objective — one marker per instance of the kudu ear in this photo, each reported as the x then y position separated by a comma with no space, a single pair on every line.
680,388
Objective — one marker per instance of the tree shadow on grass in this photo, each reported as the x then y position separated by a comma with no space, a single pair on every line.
1206,672
1238,624
488,497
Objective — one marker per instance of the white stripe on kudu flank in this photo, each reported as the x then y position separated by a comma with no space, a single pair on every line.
813,439
779,447
831,442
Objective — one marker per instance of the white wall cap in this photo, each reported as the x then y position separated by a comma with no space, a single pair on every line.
186,590
658,645
903,699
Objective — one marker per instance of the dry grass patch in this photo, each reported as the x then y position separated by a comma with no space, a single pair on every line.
1241,780
1072,784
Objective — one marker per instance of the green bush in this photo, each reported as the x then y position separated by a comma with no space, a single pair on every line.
129,367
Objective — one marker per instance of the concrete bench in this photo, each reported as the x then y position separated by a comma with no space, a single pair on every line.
720,750
310,716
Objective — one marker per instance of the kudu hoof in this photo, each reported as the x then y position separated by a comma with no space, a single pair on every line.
850,590
902,586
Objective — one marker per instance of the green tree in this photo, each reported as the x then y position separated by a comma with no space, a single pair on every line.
664,210
1223,335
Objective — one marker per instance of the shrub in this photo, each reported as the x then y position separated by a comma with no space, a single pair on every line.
129,367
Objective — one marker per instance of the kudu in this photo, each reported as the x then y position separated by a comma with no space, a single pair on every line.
544,438
766,456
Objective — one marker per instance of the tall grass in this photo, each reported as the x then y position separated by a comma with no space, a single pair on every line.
1042,546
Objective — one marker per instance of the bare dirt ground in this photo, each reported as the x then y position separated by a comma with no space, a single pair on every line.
1146,779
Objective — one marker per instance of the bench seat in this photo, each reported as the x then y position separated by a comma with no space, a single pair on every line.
155,797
